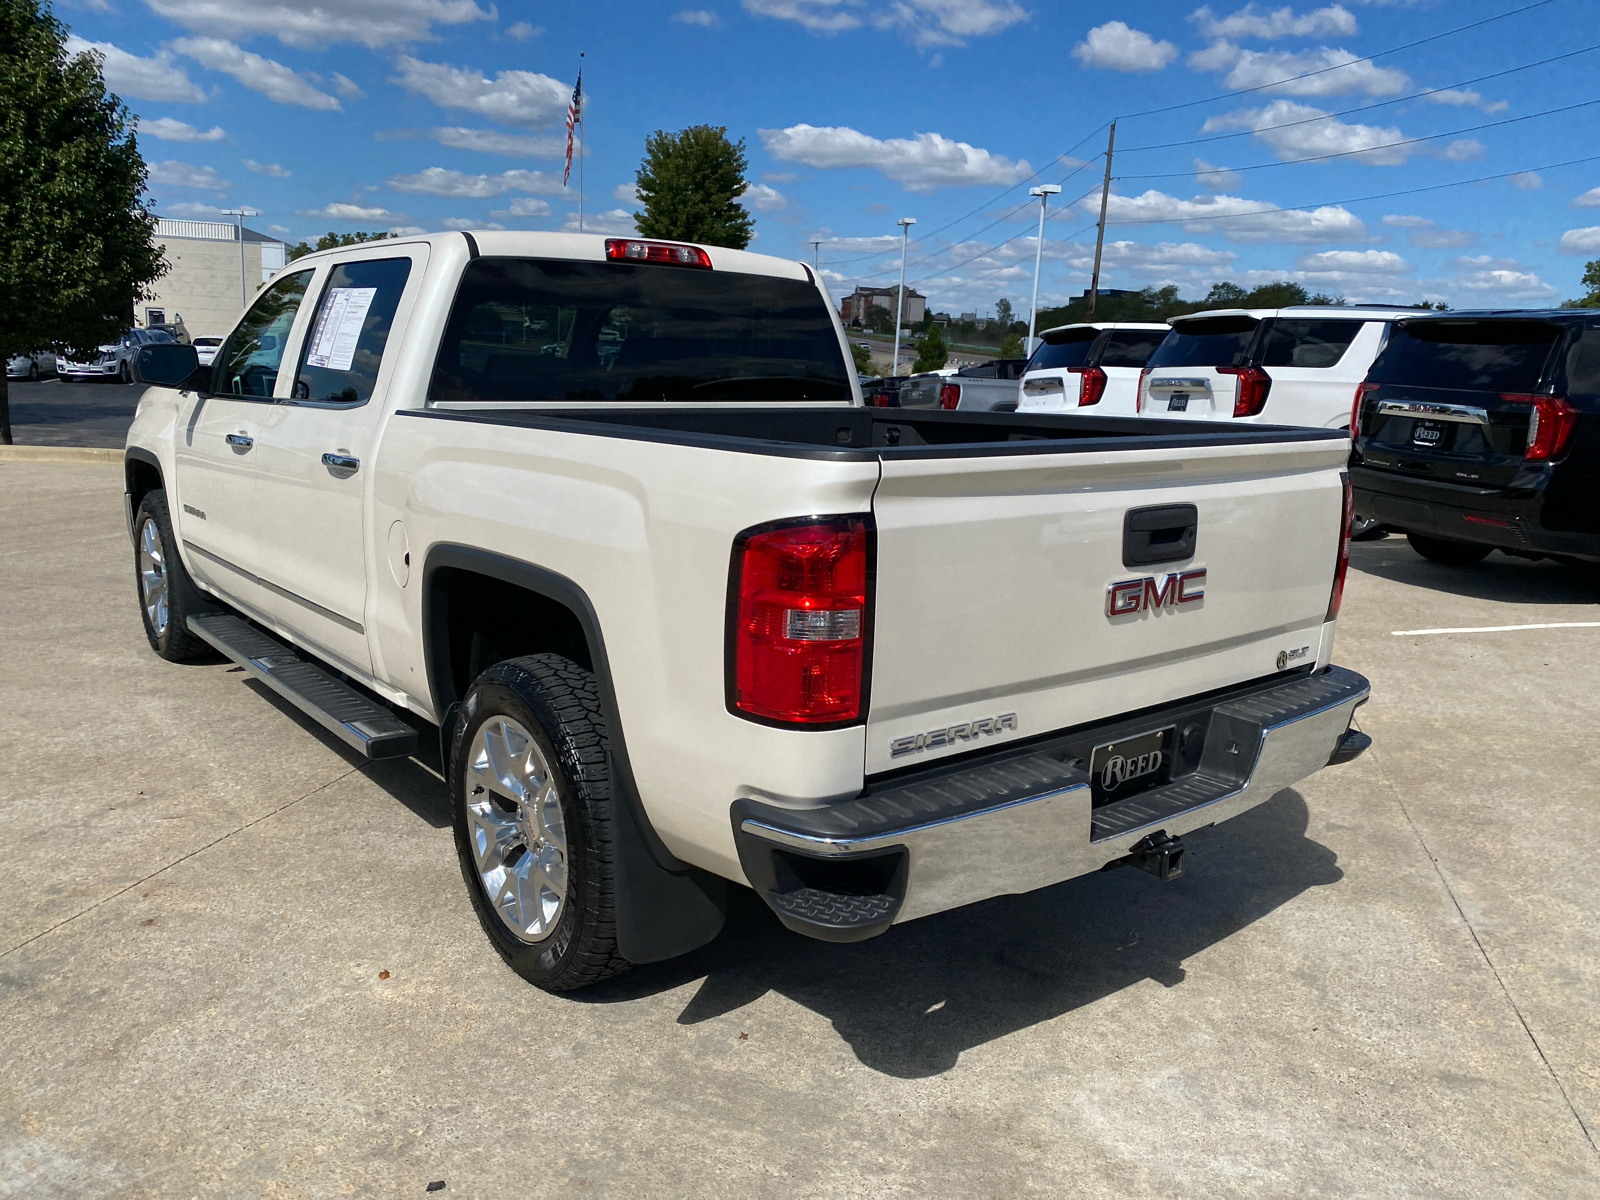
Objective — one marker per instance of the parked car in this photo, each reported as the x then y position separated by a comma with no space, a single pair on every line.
1478,431
32,366
1092,366
114,360
884,391
873,665
1285,366
176,330
985,387
206,349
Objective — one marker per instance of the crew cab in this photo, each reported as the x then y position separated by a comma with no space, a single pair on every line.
1481,430
608,517
982,387
1089,366
1282,366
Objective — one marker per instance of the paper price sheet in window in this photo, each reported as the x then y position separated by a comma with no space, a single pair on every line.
333,344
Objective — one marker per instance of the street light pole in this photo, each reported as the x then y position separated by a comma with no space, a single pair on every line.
905,224
244,287
1044,191
816,255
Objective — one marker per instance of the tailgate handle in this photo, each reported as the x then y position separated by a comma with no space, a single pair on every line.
1160,534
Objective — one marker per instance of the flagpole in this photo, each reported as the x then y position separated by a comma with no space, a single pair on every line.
580,147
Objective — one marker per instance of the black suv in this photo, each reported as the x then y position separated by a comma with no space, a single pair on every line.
1477,431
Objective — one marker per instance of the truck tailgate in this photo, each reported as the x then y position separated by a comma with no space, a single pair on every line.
993,575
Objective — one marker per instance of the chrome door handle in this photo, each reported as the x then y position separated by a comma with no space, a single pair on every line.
341,462
240,440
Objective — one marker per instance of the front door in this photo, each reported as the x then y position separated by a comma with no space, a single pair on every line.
314,455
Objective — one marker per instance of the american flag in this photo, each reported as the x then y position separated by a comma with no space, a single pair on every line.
574,115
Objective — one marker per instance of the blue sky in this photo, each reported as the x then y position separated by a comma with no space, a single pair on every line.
437,114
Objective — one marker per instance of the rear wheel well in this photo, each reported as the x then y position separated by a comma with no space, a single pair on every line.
479,620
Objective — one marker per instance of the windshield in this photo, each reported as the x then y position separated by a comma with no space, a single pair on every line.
1219,342
1069,348
1486,356
548,330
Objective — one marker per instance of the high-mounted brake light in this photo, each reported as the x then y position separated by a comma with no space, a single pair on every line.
1092,386
1254,384
1550,424
667,253
800,622
1144,379
1342,566
1362,390
949,395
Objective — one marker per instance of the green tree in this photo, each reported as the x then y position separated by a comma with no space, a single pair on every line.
1003,314
1591,285
1276,295
1011,347
932,352
880,319
77,241
690,183
1225,295
331,240
862,357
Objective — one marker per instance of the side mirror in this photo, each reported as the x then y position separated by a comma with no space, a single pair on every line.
166,364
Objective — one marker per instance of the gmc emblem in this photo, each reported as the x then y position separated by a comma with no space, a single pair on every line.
1155,591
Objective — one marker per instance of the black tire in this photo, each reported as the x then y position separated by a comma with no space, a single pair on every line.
33,371
1450,553
173,641
558,703
1367,529
124,375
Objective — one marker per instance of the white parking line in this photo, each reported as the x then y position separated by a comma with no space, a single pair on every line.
1498,628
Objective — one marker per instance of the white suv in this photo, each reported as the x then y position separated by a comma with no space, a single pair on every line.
1274,366
1094,364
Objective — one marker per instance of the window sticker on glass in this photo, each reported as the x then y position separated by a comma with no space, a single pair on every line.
333,344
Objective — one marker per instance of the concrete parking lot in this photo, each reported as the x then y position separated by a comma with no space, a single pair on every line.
235,960
60,412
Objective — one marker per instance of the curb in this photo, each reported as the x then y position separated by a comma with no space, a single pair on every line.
61,454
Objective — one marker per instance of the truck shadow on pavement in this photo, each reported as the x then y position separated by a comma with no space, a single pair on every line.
1498,577
911,1001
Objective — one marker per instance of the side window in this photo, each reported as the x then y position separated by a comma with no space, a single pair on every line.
1299,343
344,348
1130,347
1583,364
247,364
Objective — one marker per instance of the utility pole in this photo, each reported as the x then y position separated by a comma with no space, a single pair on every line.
905,224
816,255
1100,232
1044,191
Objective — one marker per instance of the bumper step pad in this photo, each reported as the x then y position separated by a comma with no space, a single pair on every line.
362,723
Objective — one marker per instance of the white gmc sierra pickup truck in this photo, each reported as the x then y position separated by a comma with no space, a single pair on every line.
610,515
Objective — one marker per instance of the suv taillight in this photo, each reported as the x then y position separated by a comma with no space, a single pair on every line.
1254,384
1144,378
949,395
1550,425
1342,567
1092,387
800,621
1355,407
879,400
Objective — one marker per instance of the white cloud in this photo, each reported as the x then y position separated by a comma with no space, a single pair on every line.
1463,98
1340,71
313,24
779,176
272,79
818,16
169,130
1115,47
1238,220
1464,150
1295,131
189,208
406,230
866,245
522,31
130,76
437,181
272,169
1484,262
1580,241
920,164
181,174
524,206
1589,199
1428,235
511,97
765,199
1361,262
1143,259
468,223
616,221
492,141
280,230
1216,179
702,17
351,212
926,22
1250,21
1526,181
628,193
1505,280
347,86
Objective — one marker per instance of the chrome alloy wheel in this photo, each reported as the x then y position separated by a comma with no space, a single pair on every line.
153,576
519,840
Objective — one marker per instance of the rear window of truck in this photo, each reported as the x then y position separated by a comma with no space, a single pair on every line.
1480,356
1070,348
546,330
1219,342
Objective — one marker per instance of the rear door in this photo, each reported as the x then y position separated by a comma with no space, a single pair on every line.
995,578
1194,373
1315,364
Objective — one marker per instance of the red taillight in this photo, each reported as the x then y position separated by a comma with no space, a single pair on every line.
1342,567
667,253
949,395
879,400
1092,387
1550,425
1254,384
1362,390
1144,378
797,647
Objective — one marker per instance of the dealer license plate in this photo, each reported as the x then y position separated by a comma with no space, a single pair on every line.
1178,402
1427,433
1133,765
